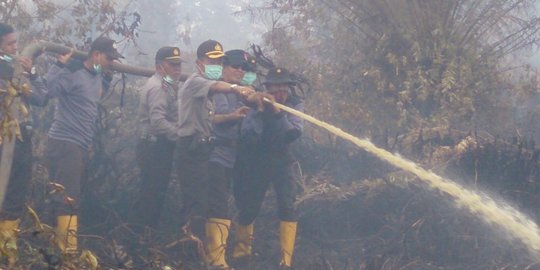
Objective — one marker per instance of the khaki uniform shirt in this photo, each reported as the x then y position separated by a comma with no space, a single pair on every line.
158,111
196,109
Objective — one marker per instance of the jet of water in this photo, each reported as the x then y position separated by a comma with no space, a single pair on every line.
515,223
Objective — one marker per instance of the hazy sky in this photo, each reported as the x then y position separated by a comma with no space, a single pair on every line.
164,23
535,59
216,19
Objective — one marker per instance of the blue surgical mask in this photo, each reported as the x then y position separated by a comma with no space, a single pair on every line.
249,78
168,79
213,72
7,58
97,68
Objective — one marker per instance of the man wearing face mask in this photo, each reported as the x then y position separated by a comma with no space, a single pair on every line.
196,113
250,75
158,131
229,111
16,71
264,158
78,86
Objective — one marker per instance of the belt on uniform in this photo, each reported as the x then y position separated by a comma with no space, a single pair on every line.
198,140
149,137
206,140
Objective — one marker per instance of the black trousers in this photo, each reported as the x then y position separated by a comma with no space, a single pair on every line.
155,159
219,186
254,172
192,159
19,178
67,165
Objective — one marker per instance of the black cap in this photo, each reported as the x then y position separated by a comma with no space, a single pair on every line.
5,29
106,46
211,49
236,58
251,63
169,54
278,75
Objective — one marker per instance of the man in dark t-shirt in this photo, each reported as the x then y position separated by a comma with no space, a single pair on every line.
78,88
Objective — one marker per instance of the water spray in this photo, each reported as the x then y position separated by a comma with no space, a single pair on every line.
512,221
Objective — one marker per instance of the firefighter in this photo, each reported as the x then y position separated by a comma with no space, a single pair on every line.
78,86
264,158
230,110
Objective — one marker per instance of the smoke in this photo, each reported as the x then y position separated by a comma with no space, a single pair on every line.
186,24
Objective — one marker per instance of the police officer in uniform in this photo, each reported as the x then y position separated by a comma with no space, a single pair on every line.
158,131
196,115
264,158
18,70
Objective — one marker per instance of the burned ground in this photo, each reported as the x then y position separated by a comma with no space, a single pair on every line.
356,212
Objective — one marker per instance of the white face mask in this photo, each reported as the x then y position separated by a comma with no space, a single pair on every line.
249,78
168,79
213,72
6,57
97,68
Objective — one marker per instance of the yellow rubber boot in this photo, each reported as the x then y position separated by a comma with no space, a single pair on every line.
217,231
8,236
243,240
287,236
66,233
